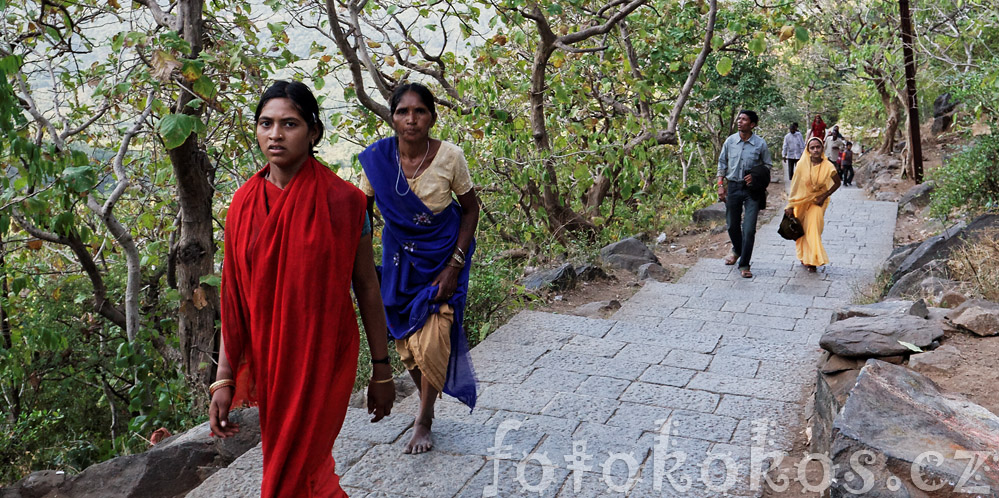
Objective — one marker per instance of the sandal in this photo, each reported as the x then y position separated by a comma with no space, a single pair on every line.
731,259
746,273
811,268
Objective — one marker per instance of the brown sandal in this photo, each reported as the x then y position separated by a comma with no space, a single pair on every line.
746,273
731,259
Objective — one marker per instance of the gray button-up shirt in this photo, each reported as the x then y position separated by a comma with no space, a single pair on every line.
738,156
794,145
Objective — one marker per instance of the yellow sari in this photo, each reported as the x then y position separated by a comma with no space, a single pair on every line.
810,181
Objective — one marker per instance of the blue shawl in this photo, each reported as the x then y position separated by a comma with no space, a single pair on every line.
416,246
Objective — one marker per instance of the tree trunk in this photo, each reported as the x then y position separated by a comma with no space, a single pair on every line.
195,247
11,392
915,142
892,108
560,216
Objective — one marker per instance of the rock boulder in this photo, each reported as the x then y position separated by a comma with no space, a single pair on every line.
882,308
653,271
977,316
942,359
918,195
556,279
911,283
714,212
940,246
877,336
169,469
892,421
628,253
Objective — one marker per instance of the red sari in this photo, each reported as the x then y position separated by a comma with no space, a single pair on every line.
818,127
288,321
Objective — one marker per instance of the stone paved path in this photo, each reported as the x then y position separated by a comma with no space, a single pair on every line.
704,357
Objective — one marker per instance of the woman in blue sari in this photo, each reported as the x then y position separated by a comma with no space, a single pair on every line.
427,247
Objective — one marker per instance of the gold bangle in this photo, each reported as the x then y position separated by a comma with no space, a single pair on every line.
219,384
383,381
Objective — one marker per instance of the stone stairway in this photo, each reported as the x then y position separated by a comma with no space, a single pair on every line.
572,406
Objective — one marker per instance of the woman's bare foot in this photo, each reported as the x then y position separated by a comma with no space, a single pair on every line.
422,441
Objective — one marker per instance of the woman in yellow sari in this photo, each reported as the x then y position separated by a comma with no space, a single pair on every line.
815,179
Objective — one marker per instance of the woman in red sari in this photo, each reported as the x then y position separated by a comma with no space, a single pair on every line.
296,238
818,128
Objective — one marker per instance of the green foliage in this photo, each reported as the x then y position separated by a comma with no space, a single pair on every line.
968,181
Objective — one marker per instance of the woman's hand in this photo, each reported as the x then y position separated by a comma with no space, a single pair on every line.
218,414
789,211
446,283
820,199
381,395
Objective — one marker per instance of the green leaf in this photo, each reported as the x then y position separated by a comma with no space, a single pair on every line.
758,45
211,280
801,34
63,223
724,66
79,178
175,128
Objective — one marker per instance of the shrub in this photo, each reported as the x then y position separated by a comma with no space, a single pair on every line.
969,181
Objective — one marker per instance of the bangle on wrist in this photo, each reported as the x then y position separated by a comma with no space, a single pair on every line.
219,384
383,361
383,381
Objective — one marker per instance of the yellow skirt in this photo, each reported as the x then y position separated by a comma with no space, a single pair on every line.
809,247
430,347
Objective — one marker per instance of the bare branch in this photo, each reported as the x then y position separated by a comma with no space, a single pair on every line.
574,50
583,34
168,21
354,64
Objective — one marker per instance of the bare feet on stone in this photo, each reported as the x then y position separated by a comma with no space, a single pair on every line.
422,440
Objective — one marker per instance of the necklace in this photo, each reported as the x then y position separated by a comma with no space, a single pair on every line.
398,162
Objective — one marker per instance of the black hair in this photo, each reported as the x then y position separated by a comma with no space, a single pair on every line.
794,124
303,100
753,118
426,96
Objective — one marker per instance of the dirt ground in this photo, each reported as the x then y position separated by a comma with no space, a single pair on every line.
976,377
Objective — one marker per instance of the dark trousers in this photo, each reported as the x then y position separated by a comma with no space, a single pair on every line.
790,168
847,174
741,230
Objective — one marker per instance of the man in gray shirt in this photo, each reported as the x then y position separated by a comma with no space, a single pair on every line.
794,145
739,154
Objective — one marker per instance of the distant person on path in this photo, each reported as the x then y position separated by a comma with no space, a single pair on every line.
810,190
794,146
846,164
818,127
834,145
427,247
740,153
296,240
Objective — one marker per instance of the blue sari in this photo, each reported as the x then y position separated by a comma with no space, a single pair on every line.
416,246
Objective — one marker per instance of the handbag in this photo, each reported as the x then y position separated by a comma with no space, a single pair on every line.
790,228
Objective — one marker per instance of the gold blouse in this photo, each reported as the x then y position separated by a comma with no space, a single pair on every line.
447,173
